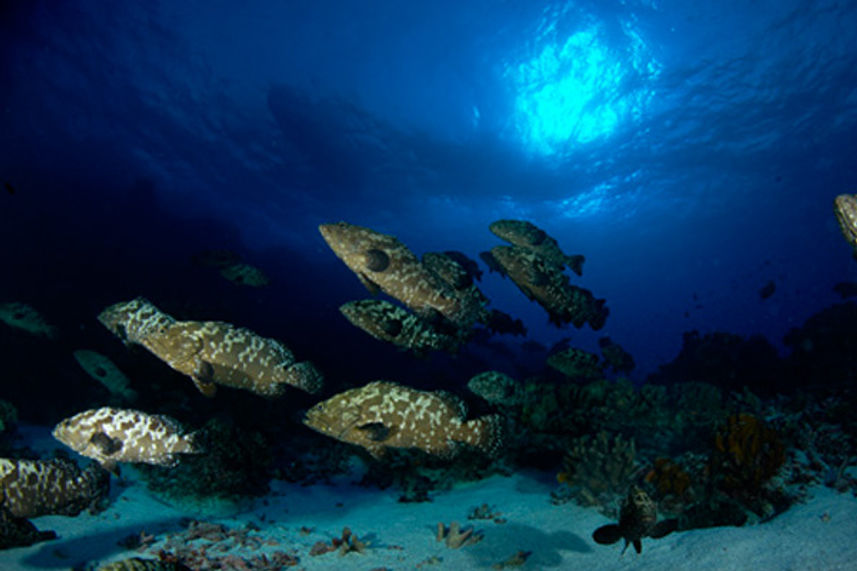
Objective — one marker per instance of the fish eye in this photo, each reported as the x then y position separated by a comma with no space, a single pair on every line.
377,260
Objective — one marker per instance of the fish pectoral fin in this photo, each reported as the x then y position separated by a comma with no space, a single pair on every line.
376,431
370,285
638,546
111,466
607,534
376,451
203,378
663,528
105,445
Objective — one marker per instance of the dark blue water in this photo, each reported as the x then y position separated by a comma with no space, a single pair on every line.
692,154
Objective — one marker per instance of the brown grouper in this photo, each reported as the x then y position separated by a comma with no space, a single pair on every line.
638,518
383,263
845,208
384,415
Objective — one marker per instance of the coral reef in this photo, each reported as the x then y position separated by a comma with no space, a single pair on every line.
598,468
455,536
724,359
236,463
747,453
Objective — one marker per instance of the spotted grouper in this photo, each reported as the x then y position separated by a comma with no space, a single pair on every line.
383,263
527,235
638,518
388,322
384,415
110,435
845,208
212,353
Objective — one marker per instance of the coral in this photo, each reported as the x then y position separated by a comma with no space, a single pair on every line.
138,564
486,512
747,453
576,364
724,359
347,543
236,463
668,478
455,537
598,468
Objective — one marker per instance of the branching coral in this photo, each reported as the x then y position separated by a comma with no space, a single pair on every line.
747,453
455,536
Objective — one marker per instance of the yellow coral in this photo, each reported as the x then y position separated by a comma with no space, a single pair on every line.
747,451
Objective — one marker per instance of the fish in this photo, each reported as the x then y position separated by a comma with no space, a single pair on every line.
383,415
245,274
576,363
9,188
546,284
768,289
384,264
111,435
33,488
136,321
108,374
26,318
615,356
845,209
637,519
846,289
527,235
213,353
218,258
388,322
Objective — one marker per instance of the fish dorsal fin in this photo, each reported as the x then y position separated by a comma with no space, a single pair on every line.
607,534
453,401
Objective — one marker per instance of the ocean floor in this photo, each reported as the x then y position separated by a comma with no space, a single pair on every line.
292,519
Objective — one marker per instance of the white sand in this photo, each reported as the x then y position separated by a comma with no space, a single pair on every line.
817,535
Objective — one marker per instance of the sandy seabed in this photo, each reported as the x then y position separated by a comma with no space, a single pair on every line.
820,534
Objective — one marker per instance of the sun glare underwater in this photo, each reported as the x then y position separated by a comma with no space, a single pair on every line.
580,86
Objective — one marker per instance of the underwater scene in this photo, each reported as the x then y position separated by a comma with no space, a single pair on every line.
409,285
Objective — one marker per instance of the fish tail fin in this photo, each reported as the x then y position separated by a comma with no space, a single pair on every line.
486,433
191,443
305,376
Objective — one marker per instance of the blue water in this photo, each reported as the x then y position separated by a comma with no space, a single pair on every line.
690,151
